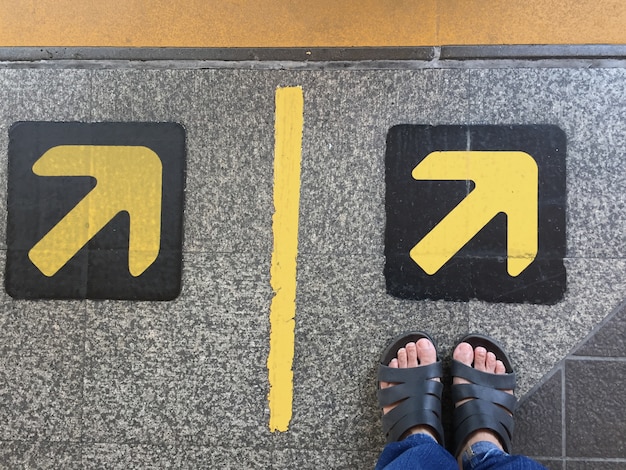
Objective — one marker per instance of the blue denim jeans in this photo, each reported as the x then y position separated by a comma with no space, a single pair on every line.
422,452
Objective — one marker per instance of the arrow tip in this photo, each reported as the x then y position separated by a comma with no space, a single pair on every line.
44,260
429,262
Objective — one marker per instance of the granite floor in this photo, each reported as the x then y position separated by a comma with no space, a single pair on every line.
184,383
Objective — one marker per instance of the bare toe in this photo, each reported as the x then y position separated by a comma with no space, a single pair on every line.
402,358
480,359
426,352
490,363
411,354
464,353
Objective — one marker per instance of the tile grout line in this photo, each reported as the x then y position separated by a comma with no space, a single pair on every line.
563,418
90,74
596,459
597,358
82,385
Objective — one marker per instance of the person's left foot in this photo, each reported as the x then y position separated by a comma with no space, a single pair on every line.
497,400
417,354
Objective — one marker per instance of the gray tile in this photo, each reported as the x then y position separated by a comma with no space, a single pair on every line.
323,458
130,330
144,95
586,104
595,409
41,395
538,421
544,333
520,95
193,369
334,409
116,456
41,326
235,457
130,403
45,95
223,399
40,455
131,373
224,293
608,341
230,163
41,346
4,162
346,122
222,344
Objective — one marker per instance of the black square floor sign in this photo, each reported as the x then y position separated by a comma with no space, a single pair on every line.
95,210
476,212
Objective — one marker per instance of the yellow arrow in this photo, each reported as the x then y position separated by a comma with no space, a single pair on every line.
505,182
128,179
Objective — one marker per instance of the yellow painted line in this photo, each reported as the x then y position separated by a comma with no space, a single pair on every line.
303,23
289,121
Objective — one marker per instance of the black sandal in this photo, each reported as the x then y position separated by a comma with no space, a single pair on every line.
489,406
418,398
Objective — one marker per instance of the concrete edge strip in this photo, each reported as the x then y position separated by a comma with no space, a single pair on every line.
297,54
316,54
533,52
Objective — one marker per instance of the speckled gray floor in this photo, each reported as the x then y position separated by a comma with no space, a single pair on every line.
183,384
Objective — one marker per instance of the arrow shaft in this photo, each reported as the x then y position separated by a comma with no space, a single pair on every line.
71,234
145,236
522,232
452,233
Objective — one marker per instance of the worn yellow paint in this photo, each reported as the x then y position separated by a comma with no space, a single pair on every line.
302,23
287,155
505,182
129,178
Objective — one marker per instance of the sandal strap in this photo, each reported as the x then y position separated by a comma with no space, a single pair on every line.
417,398
489,406
470,420
409,382
411,375
462,392
498,381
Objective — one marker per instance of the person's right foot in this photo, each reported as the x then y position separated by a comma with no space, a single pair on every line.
484,361
417,354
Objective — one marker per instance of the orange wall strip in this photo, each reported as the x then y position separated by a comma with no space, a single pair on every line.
303,23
